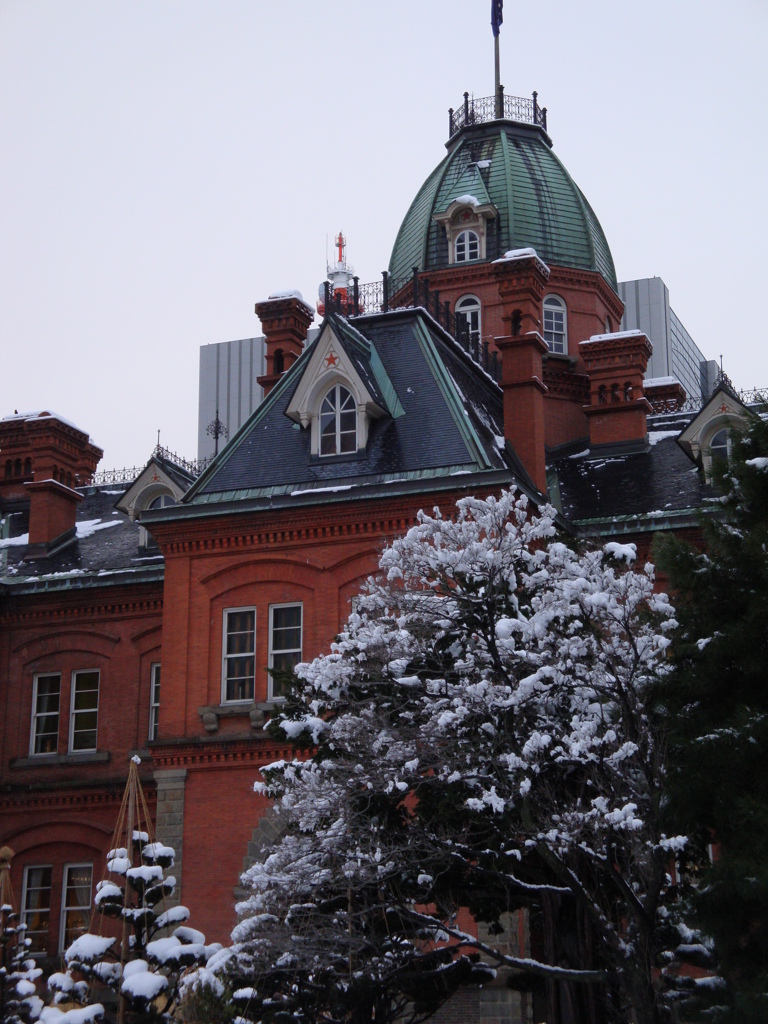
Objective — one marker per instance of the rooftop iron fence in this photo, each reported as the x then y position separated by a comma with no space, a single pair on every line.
494,108
128,474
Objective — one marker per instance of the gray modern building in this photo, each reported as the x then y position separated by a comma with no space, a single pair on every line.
675,353
229,384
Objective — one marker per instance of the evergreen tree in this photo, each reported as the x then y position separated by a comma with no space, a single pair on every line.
717,703
479,738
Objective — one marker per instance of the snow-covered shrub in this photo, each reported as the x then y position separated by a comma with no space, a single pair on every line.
19,1003
148,973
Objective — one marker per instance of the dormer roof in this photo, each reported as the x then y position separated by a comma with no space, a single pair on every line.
438,415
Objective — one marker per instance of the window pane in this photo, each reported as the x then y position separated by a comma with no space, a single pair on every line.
45,726
36,912
239,658
285,642
76,902
154,702
85,703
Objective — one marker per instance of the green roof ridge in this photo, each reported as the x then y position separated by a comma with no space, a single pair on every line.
448,389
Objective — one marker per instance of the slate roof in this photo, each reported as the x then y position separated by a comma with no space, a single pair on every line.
650,489
539,204
448,423
107,552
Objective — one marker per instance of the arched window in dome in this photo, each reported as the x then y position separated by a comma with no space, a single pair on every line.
468,310
467,246
555,324
338,422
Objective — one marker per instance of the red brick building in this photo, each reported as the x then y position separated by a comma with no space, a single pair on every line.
254,565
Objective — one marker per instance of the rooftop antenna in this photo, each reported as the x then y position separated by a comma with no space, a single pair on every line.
497,17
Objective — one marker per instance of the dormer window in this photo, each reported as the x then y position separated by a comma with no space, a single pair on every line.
555,324
467,246
465,222
338,422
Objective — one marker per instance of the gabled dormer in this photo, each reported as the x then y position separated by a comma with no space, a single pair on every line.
707,436
343,388
161,483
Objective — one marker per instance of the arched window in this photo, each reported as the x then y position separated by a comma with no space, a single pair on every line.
608,324
278,361
17,468
555,324
628,393
467,246
468,310
27,467
8,468
162,501
338,422
719,446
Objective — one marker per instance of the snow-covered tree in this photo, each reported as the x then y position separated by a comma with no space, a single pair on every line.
148,969
717,701
19,1003
479,738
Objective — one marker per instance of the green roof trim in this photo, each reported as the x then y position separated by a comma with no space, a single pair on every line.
448,388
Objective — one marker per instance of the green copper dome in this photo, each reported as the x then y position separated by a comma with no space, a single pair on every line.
512,166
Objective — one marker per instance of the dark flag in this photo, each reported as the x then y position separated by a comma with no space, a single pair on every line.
496,15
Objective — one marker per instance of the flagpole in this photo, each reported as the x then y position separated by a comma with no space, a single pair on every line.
497,92
497,16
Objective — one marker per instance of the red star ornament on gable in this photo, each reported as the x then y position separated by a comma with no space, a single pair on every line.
724,408
331,359
155,477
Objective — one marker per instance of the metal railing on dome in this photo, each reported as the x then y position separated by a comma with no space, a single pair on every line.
414,291
494,108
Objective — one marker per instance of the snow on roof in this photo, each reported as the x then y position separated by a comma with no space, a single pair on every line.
522,254
613,335
468,199
89,526
657,382
290,293
43,414
483,164
654,436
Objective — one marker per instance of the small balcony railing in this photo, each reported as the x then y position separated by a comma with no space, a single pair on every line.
496,108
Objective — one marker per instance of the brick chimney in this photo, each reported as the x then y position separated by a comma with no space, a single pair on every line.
55,457
617,409
521,278
285,320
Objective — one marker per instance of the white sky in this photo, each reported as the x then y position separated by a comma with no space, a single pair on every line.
164,164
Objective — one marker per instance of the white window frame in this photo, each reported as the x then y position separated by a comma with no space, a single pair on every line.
37,715
74,713
555,303
65,909
338,412
154,699
225,657
468,306
26,910
283,650
465,239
